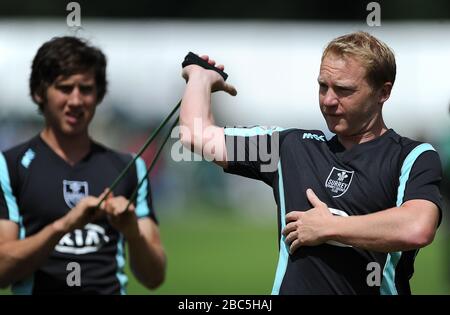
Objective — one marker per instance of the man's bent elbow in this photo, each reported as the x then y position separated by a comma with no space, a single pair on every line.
186,140
157,281
187,136
191,141
421,236
155,277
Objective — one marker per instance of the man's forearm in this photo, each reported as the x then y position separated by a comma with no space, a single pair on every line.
147,261
196,114
20,258
394,229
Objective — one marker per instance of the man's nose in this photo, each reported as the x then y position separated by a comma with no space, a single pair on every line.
330,98
75,98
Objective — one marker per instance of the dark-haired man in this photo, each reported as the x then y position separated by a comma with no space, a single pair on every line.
48,215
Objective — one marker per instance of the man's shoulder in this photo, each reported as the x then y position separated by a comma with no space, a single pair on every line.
417,153
23,152
307,134
250,131
410,146
259,130
304,136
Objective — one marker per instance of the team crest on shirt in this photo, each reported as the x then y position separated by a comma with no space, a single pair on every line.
74,191
338,181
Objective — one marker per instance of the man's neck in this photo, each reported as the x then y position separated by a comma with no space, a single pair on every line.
365,135
72,149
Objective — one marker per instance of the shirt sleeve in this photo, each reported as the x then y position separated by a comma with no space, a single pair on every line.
424,179
144,203
253,152
9,209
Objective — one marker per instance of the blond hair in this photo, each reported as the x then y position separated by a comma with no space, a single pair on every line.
376,56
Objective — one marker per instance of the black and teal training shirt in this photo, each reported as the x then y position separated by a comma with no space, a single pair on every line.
38,187
369,177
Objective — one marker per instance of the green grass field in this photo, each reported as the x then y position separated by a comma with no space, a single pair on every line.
228,255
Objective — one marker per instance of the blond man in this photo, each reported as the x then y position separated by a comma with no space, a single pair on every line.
353,210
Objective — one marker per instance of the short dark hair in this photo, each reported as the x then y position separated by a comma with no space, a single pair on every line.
66,56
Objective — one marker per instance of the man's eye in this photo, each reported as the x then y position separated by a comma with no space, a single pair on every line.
346,91
66,89
343,88
86,89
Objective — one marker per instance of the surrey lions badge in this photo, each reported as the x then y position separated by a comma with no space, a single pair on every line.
338,181
74,191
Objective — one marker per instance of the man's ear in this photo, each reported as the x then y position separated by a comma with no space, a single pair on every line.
37,98
385,92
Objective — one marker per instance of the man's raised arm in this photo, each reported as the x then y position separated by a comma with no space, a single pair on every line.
197,129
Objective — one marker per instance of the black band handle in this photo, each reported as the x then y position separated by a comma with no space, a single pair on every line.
193,59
